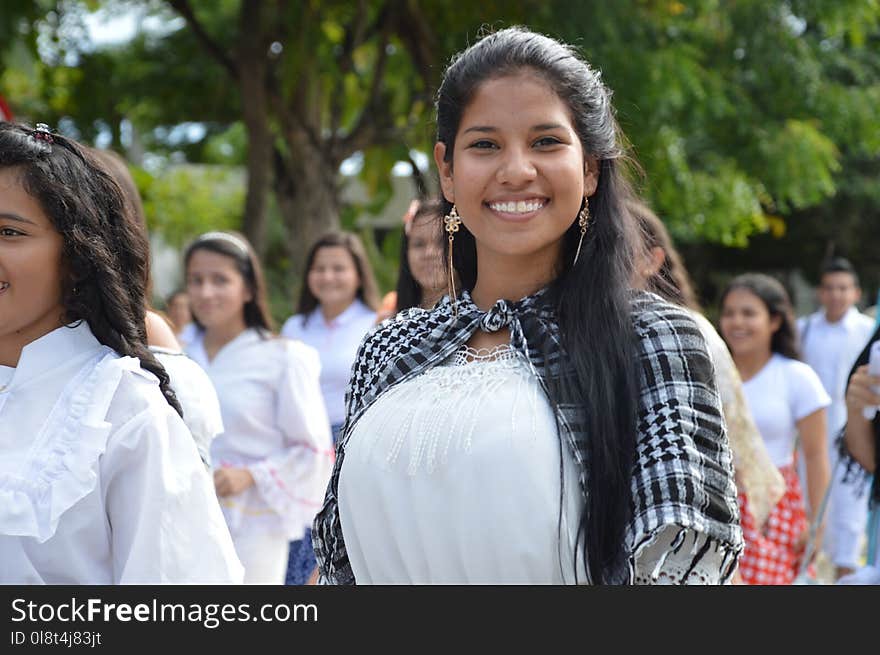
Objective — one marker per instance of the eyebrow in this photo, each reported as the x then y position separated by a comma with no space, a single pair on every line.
481,128
16,217
535,128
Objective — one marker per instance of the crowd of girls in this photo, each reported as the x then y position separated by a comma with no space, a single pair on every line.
541,400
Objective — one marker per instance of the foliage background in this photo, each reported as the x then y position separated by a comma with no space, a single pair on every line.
754,123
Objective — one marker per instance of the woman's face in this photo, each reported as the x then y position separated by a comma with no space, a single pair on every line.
746,324
333,278
30,269
518,173
216,289
425,254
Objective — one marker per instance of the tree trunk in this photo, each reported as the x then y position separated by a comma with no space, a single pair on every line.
308,197
253,65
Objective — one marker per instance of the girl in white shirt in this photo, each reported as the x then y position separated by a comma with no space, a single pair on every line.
100,482
788,402
273,459
337,307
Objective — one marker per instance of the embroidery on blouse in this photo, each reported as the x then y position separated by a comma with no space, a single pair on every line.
458,388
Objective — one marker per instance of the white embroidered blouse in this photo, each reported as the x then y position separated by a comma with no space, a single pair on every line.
275,425
100,482
453,477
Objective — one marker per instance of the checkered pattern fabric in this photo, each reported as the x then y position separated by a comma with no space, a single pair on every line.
683,474
769,557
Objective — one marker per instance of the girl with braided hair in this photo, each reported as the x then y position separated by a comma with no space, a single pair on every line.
100,482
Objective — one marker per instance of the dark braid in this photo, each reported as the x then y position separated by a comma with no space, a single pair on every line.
106,261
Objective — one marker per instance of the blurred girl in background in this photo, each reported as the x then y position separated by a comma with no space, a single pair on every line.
274,456
788,402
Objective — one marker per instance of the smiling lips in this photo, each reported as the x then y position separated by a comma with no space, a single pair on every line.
517,207
4,286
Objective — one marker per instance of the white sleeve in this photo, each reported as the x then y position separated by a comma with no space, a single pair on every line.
198,398
292,327
293,480
166,523
807,392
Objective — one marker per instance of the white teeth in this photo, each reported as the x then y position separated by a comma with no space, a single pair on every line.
4,286
517,207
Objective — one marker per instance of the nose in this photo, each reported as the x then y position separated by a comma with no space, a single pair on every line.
201,290
730,321
516,167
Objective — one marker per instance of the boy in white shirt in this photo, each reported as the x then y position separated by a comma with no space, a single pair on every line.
831,340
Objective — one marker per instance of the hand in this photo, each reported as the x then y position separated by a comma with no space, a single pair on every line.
859,394
231,481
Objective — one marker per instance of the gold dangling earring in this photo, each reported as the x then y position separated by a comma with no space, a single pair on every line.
583,221
452,222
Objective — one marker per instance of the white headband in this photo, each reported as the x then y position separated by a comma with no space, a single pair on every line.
223,236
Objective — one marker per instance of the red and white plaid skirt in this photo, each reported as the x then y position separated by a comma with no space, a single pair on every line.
769,557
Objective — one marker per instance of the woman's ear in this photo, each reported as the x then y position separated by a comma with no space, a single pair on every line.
591,176
445,169
775,324
657,257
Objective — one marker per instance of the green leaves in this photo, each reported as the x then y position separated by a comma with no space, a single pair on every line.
184,201
740,113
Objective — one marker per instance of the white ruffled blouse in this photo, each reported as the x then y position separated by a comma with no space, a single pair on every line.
453,477
275,425
100,482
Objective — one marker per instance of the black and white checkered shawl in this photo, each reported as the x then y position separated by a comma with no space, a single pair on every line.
683,475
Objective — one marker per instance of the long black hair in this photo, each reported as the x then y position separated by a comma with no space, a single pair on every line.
235,246
592,297
105,259
409,291
770,291
368,290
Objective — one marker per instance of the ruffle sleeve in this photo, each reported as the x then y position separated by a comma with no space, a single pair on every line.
293,480
66,465
160,502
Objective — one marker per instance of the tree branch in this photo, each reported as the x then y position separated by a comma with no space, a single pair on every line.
214,49
414,31
354,36
366,126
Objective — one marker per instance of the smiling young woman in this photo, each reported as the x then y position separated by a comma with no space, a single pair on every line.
100,482
274,454
788,403
546,424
